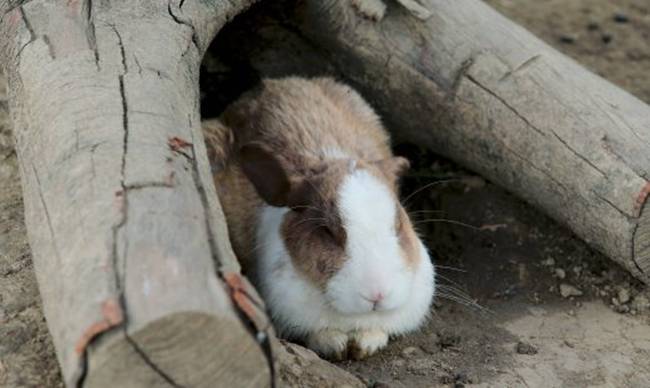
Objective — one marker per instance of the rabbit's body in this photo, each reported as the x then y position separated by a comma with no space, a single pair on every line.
310,195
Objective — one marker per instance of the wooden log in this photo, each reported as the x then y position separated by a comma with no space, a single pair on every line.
477,88
123,220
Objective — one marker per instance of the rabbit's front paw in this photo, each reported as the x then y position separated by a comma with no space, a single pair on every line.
364,343
331,344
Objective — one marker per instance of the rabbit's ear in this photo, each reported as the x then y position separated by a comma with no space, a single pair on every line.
394,167
274,179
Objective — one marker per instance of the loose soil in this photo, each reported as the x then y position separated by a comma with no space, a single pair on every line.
522,301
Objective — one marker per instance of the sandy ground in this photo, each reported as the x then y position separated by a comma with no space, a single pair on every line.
504,322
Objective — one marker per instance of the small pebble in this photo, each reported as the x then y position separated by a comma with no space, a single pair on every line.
606,38
560,273
446,379
568,39
623,295
446,340
548,262
380,384
409,351
593,26
622,309
567,290
641,303
621,18
461,377
525,348
431,344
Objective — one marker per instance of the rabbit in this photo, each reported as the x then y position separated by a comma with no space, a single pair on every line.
309,188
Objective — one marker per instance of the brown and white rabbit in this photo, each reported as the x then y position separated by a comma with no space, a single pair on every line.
309,189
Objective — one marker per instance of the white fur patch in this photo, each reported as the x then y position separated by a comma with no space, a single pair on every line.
375,264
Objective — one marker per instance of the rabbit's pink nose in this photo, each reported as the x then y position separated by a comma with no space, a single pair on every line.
375,298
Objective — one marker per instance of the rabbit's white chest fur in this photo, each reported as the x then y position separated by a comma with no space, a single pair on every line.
299,308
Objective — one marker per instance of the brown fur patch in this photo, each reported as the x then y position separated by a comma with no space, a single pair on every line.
314,233
408,239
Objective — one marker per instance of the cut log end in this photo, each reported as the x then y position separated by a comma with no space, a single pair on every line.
186,349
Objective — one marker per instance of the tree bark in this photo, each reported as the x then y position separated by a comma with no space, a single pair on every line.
127,234
475,87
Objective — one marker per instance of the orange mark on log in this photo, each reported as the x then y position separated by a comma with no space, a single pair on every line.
642,197
176,143
239,295
112,316
14,17
73,6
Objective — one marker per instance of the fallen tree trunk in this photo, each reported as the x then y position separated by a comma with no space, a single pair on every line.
475,87
123,220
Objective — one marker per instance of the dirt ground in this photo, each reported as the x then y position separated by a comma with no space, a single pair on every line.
517,264
523,302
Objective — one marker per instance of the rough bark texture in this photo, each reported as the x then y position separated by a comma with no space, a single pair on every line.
123,220
479,89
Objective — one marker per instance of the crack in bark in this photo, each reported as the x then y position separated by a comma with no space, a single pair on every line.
120,43
92,165
47,212
150,362
525,120
584,159
521,67
137,63
32,34
27,23
505,103
194,39
124,208
125,126
50,47
610,203
633,254
92,34
145,185
548,175
462,72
